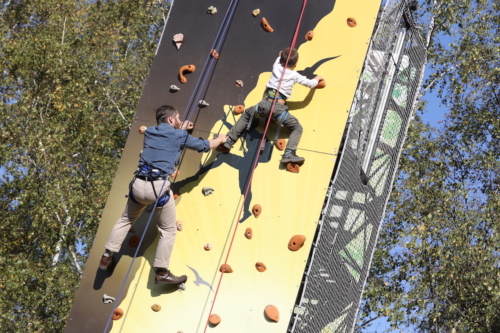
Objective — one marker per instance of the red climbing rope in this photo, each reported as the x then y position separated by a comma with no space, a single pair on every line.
256,159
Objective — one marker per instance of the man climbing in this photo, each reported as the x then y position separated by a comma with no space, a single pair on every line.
162,146
281,114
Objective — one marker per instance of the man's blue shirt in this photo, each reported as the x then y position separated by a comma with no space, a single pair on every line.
163,144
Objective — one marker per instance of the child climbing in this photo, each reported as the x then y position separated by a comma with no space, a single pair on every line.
281,114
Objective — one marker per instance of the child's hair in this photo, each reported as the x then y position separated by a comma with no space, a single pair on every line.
294,57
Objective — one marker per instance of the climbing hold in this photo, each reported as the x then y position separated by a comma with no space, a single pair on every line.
212,10
142,129
176,194
321,84
207,191
272,313
265,25
239,109
260,267
117,314
214,319
256,210
310,35
174,88
280,144
203,104
296,242
187,68
239,83
134,241
107,299
178,40
225,268
351,22
178,223
214,54
256,12
292,167
182,286
208,247
249,233
156,307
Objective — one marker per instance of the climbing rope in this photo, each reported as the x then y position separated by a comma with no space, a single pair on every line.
195,95
256,159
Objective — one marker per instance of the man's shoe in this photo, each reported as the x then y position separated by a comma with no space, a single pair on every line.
292,158
166,277
106,262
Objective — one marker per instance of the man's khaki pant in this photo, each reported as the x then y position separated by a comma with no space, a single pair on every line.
143,193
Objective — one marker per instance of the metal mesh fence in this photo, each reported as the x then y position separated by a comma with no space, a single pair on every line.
355,205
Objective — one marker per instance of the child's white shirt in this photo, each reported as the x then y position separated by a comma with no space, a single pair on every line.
289,79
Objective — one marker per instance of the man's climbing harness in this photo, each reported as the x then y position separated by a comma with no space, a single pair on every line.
145,172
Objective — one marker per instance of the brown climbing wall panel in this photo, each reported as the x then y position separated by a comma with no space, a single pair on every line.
292,202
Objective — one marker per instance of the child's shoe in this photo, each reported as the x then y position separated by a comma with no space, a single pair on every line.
291,157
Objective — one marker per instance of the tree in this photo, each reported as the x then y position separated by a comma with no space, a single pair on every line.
72,75
437,263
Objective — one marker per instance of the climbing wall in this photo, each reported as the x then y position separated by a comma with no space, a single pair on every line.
291,203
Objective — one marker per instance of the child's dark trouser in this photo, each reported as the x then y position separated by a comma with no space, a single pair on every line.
263,109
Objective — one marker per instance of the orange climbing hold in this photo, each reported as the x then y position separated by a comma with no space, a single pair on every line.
321,84
156,307
249,233
256,210
208,247
142,129
214,54
176,194
214,319
225,268
178,223
239,109
260,267
187,68
293,167
265,25
280,144
351,22
272,313
310,35
117,314
134,241
296,242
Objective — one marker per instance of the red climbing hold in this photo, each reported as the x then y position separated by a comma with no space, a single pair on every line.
214,319
310,35
142,129
249,233
239,109
225,268
293,167
117,314
272,313
187,68
256,210
280,144
134,241
265,25
296,242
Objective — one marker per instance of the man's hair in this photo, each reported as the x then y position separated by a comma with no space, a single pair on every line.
294,57
163,112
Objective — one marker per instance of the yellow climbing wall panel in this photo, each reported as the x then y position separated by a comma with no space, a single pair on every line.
291,205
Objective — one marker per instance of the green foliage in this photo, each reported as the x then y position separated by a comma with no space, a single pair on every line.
437,263
72,74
